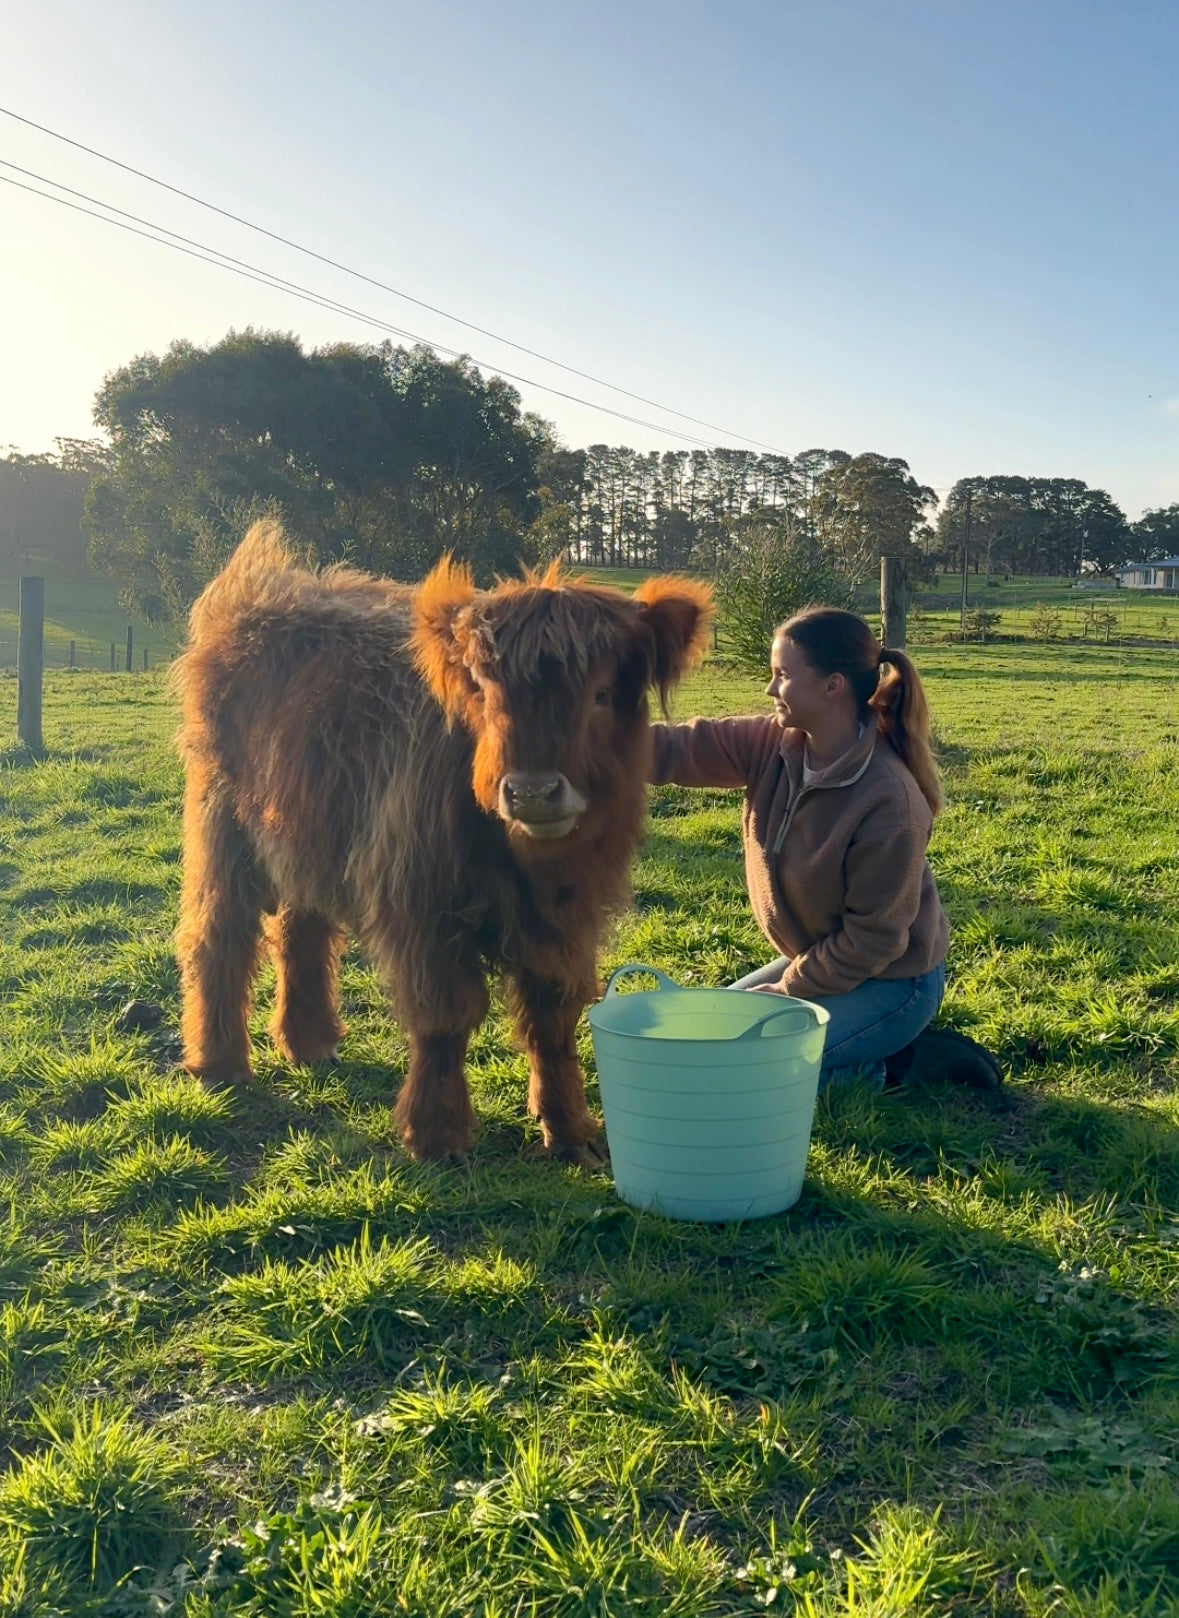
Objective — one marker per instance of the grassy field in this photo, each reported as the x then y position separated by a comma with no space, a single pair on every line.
935,611
253,1361
84,610
87,612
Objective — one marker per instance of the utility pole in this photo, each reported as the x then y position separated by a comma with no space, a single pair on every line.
965,560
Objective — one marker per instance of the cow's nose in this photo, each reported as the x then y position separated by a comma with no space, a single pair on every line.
533,797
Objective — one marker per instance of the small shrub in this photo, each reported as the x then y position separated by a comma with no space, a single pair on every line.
1046,623
1100,620
980,623
773,574
917,626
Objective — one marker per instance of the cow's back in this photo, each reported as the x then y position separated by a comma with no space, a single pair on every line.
302,704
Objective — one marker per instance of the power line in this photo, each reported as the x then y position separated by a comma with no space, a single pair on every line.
271,279
264,278
382,285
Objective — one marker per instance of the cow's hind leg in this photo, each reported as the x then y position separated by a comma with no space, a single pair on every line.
305,948
221,900
546,1022
441,1005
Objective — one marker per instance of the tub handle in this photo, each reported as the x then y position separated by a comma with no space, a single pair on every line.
633,966
792,1010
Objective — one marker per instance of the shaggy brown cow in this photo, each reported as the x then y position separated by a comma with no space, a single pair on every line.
455,776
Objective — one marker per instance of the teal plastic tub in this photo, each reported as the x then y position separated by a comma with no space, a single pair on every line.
708,1096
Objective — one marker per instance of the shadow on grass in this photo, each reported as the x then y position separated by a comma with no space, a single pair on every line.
21,757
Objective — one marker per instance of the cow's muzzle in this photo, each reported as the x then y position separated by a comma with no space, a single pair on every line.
541,805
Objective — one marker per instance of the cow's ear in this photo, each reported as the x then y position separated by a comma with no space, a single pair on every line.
438,642
676,613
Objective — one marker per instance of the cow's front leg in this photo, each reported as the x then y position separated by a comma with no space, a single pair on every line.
546,1021
440,1010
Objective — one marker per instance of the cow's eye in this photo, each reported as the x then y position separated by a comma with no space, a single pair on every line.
602,696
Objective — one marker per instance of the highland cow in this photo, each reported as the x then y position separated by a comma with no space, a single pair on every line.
454,776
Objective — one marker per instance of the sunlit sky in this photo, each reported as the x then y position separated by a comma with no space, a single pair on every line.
940,229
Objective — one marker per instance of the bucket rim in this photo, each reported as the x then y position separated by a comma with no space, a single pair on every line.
788,1005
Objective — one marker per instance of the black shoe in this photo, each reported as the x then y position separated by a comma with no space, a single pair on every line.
897,1066
944,1054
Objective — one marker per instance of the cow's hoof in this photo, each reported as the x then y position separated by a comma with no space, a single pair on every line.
308,1053
583,1154
444,1156
221,1078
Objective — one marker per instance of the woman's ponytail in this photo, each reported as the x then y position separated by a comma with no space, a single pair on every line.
902,716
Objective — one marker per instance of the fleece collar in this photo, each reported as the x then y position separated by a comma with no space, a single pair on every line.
845,771
842,772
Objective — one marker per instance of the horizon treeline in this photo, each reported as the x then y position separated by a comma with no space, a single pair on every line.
388,456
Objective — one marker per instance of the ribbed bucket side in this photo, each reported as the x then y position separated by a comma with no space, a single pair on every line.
709,1129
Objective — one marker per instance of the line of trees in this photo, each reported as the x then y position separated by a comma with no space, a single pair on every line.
1048,525
616,506
386,456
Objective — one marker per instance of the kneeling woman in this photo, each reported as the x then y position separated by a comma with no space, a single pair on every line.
840,793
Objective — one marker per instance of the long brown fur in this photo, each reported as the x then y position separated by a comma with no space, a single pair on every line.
344,741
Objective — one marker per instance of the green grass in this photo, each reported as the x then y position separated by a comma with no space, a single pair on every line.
254,1361
84,608
1139,615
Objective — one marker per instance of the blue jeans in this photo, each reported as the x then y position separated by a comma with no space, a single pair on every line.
873,1021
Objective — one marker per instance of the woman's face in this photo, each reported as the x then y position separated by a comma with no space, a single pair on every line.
803,698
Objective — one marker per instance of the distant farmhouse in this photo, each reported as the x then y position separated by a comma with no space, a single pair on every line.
1162,575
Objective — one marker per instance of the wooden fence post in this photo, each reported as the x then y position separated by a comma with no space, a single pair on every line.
129,665
892,601
73,655
30,663
145,658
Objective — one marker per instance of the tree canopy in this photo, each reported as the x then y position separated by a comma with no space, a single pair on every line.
1155,535
388,456
1035,525
382,455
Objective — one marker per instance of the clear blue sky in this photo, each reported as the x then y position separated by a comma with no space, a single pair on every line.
945,229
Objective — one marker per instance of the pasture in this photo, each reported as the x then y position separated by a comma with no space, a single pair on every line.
254,1361
83,608
86,610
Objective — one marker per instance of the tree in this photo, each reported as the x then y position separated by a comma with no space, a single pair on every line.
1034,525
1155,535
382,455
682,508
775,569
869,506
561,487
